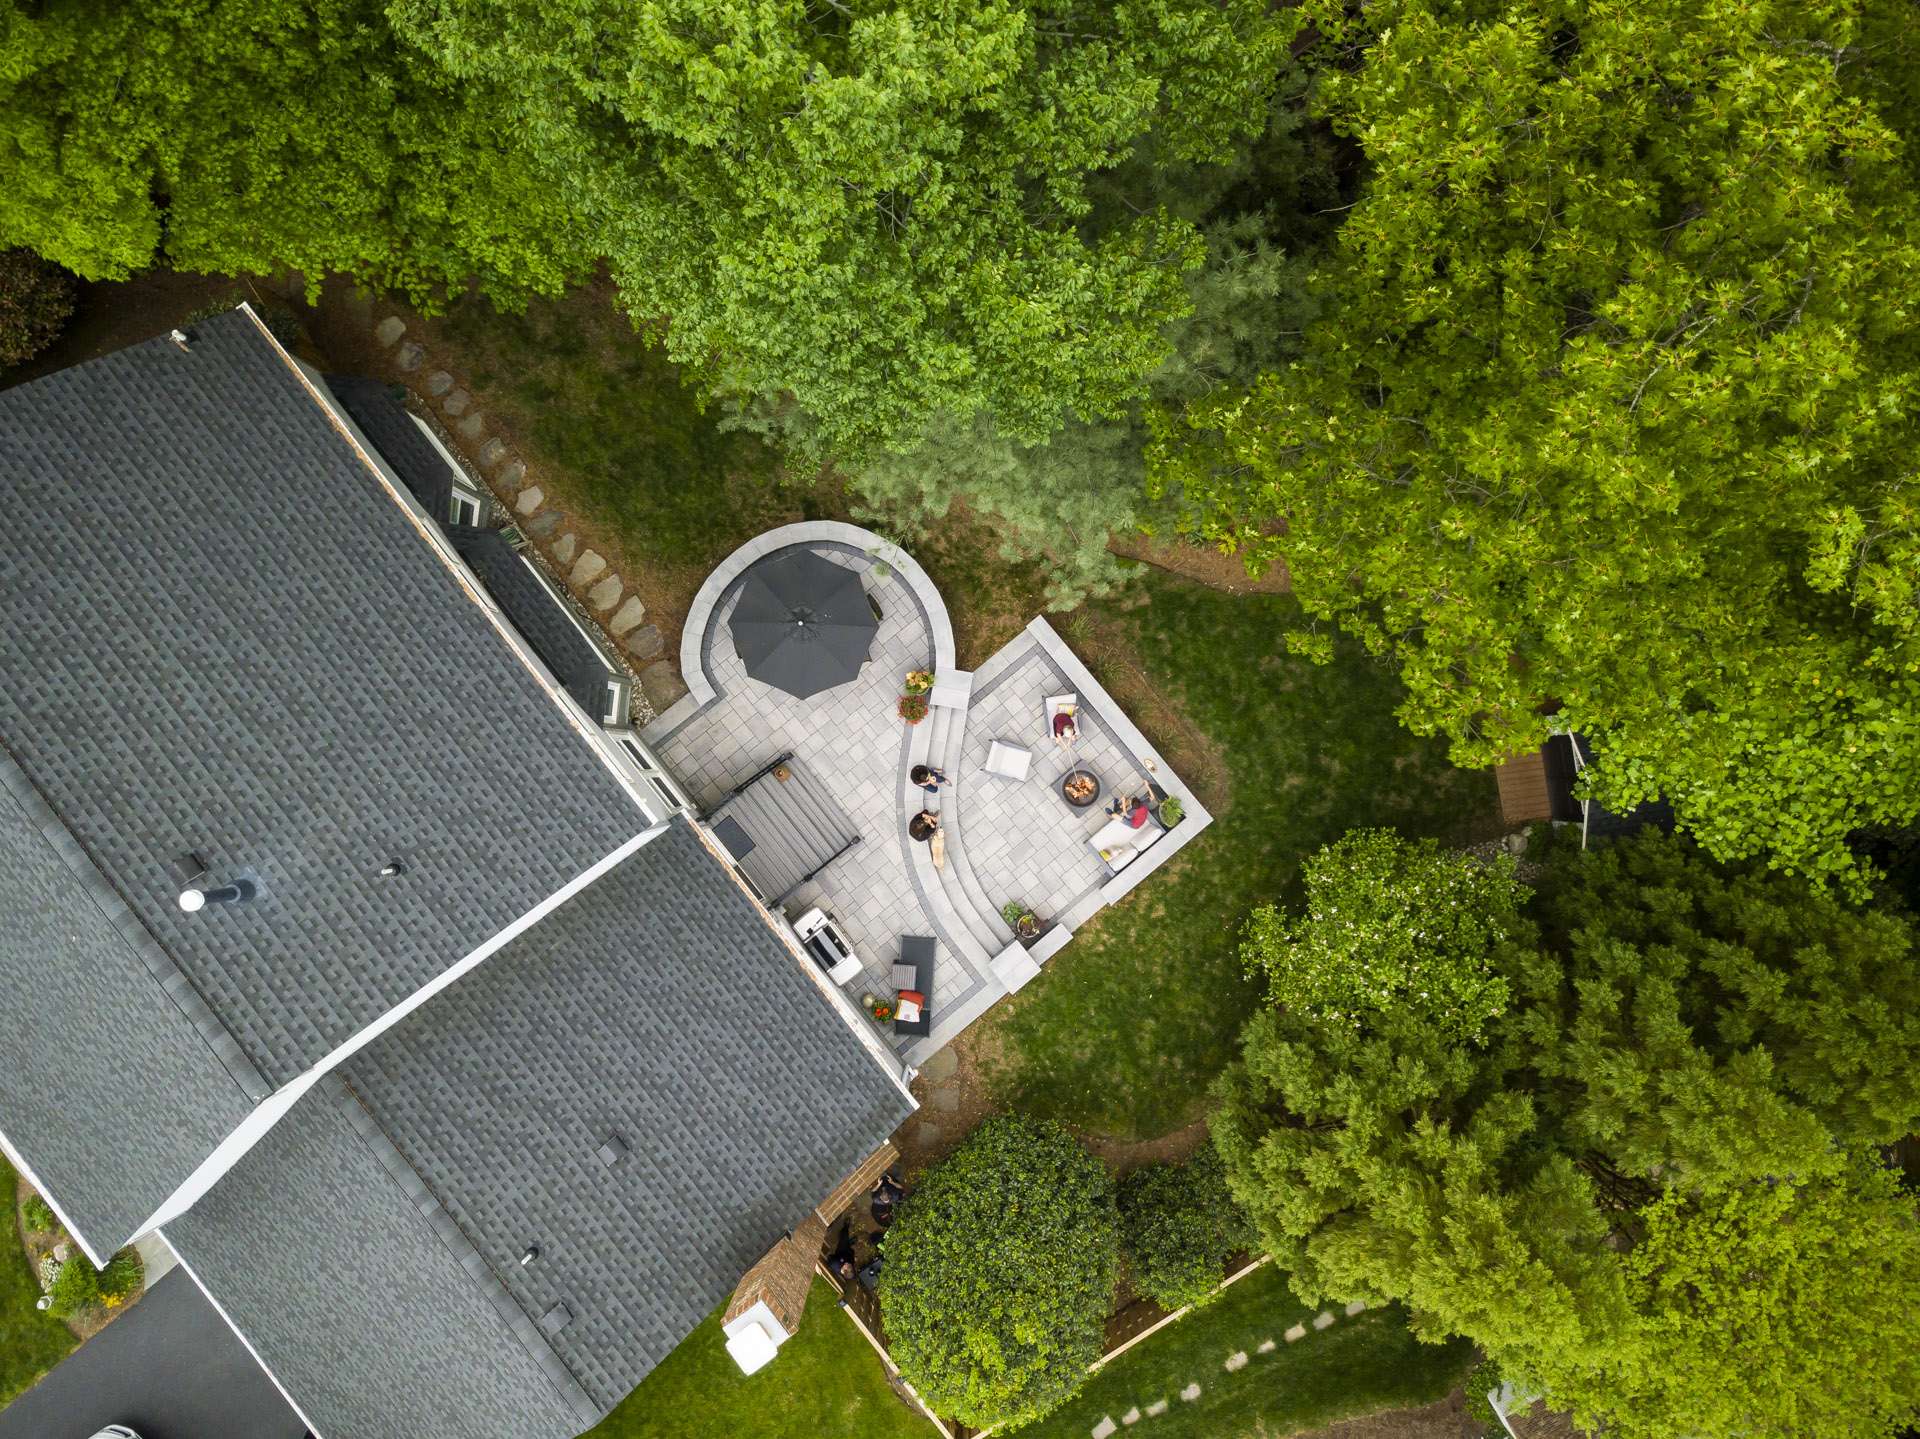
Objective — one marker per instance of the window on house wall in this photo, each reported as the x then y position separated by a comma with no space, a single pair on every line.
466,508
612,716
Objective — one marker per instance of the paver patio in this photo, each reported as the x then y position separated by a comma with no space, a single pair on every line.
1005,839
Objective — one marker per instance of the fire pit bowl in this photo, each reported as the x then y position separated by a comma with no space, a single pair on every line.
1080,788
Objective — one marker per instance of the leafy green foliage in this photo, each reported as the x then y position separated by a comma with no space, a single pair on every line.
1754,1301
1678,1033
1064,499
1483,1379
38,1215
1613,402
1391,923
1000,1273
35,300
1141,1012
872,216
78,1285
1178,1225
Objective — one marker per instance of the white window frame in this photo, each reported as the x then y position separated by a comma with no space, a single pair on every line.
659,781
467,509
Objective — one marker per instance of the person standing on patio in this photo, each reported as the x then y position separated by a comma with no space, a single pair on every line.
929,778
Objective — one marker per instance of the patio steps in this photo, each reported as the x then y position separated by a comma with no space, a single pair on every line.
963,888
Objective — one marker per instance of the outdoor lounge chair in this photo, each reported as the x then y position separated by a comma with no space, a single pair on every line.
916,953
1009,761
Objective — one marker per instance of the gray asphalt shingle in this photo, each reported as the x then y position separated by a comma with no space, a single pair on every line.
353,1303
656,1005
226,637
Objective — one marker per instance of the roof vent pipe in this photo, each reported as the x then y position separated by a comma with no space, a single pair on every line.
393,867
179,338
239,892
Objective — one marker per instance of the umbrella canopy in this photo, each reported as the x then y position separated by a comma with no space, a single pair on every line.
803,623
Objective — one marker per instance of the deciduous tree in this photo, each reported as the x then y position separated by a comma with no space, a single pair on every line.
1614,401
1000,1273
1680,1037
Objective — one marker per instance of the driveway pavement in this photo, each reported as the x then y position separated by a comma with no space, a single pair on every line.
169,1368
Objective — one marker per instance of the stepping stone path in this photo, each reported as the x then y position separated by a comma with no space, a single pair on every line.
1105,1427
1323,1320
645,643
627,616
1298,1332
1357,1307
1236,1362
1132,1416
1156,1409
1190,1393
659,681
1267,1346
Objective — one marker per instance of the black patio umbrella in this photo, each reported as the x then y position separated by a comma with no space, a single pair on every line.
803,623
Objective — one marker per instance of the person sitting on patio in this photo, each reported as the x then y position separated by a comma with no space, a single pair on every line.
923,826
1134,811
929,778
1065,731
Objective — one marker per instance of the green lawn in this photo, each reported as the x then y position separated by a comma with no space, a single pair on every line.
1360,1365
30,1343
826,1383
1129,1025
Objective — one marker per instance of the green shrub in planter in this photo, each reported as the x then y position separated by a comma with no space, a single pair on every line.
36,299
1178,1224
39,1215
1000,1272
79,1284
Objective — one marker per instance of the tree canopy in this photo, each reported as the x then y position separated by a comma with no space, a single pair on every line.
866,215
1178,1226
999,1274
1613,401
1391,923
1682,1043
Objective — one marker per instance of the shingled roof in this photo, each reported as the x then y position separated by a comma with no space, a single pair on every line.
656,1006
364,1315
227,637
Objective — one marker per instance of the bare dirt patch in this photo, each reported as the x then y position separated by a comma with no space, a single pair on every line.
1446,1419
1204,564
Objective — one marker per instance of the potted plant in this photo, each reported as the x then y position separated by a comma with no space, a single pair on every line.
919,681
913,708
1024,923
1171,811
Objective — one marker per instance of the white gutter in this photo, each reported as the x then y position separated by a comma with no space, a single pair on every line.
256,1125
221,1310
66,1220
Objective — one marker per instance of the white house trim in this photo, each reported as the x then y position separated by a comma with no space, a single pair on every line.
66,1220
269,1112
469,583
221,1309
